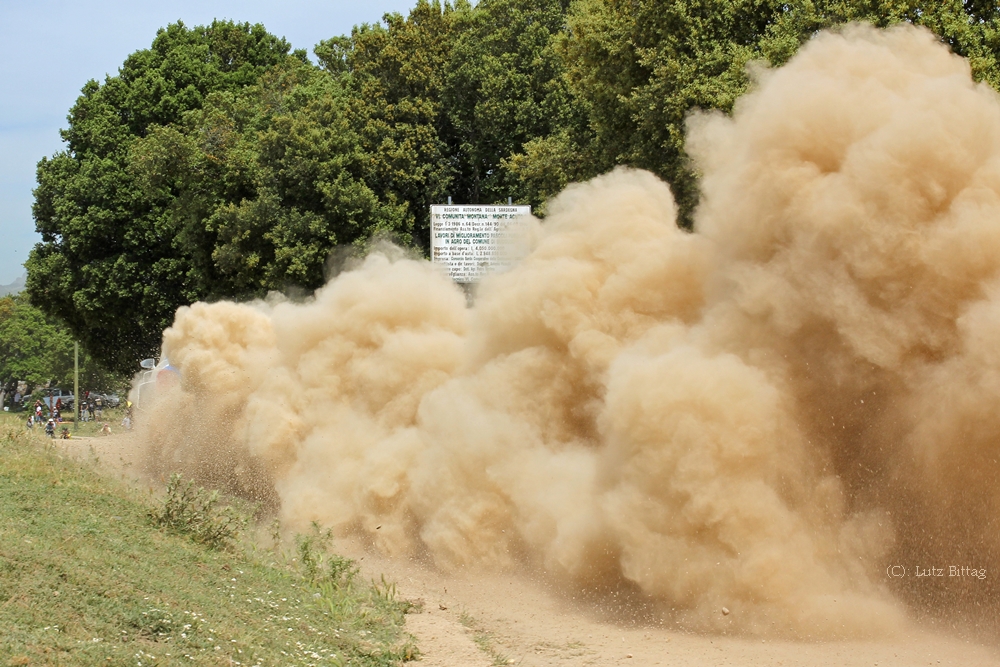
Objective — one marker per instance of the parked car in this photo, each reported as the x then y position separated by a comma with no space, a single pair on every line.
53,396
111,400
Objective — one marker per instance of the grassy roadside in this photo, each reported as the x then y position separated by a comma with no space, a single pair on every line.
86,578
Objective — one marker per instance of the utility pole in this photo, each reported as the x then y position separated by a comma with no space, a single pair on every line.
76,386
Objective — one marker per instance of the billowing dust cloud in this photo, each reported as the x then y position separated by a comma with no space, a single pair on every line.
764,414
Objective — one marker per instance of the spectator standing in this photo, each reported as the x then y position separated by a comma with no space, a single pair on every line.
83,410
99,407
50,428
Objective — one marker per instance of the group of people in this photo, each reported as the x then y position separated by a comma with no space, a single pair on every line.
91,409
50,430
38,415
50,425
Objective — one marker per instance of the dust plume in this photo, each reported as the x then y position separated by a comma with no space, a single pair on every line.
763,415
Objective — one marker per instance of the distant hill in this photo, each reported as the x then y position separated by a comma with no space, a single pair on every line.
14,287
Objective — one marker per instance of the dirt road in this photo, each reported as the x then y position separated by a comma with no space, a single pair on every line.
478,619
490,619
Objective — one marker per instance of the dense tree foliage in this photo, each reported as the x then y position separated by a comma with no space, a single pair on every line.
114,263
218,163
392,75
641,66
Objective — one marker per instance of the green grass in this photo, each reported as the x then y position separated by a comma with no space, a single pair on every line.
87,578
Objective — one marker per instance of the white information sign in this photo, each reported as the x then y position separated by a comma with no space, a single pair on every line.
468,239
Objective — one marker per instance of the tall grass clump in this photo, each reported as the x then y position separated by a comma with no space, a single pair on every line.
368,607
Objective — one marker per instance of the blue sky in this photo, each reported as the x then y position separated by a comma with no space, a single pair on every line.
50,48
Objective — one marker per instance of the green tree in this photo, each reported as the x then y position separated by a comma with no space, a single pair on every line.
443,97
38,349
217,164
641,66
505,86
393,75
114,263
264,182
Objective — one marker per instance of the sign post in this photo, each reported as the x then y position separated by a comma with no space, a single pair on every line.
468,240
76,386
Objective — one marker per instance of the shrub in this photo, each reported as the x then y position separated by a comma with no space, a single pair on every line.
195,512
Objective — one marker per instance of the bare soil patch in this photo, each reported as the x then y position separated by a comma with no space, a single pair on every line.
528,623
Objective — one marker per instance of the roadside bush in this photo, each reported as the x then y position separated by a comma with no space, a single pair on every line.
195,512
318,566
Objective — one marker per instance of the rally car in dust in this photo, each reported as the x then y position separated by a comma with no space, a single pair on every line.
156,375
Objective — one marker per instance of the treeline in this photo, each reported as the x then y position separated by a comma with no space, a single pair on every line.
220,163
37,349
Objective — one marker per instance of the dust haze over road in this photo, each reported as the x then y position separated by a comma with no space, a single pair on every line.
766,415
